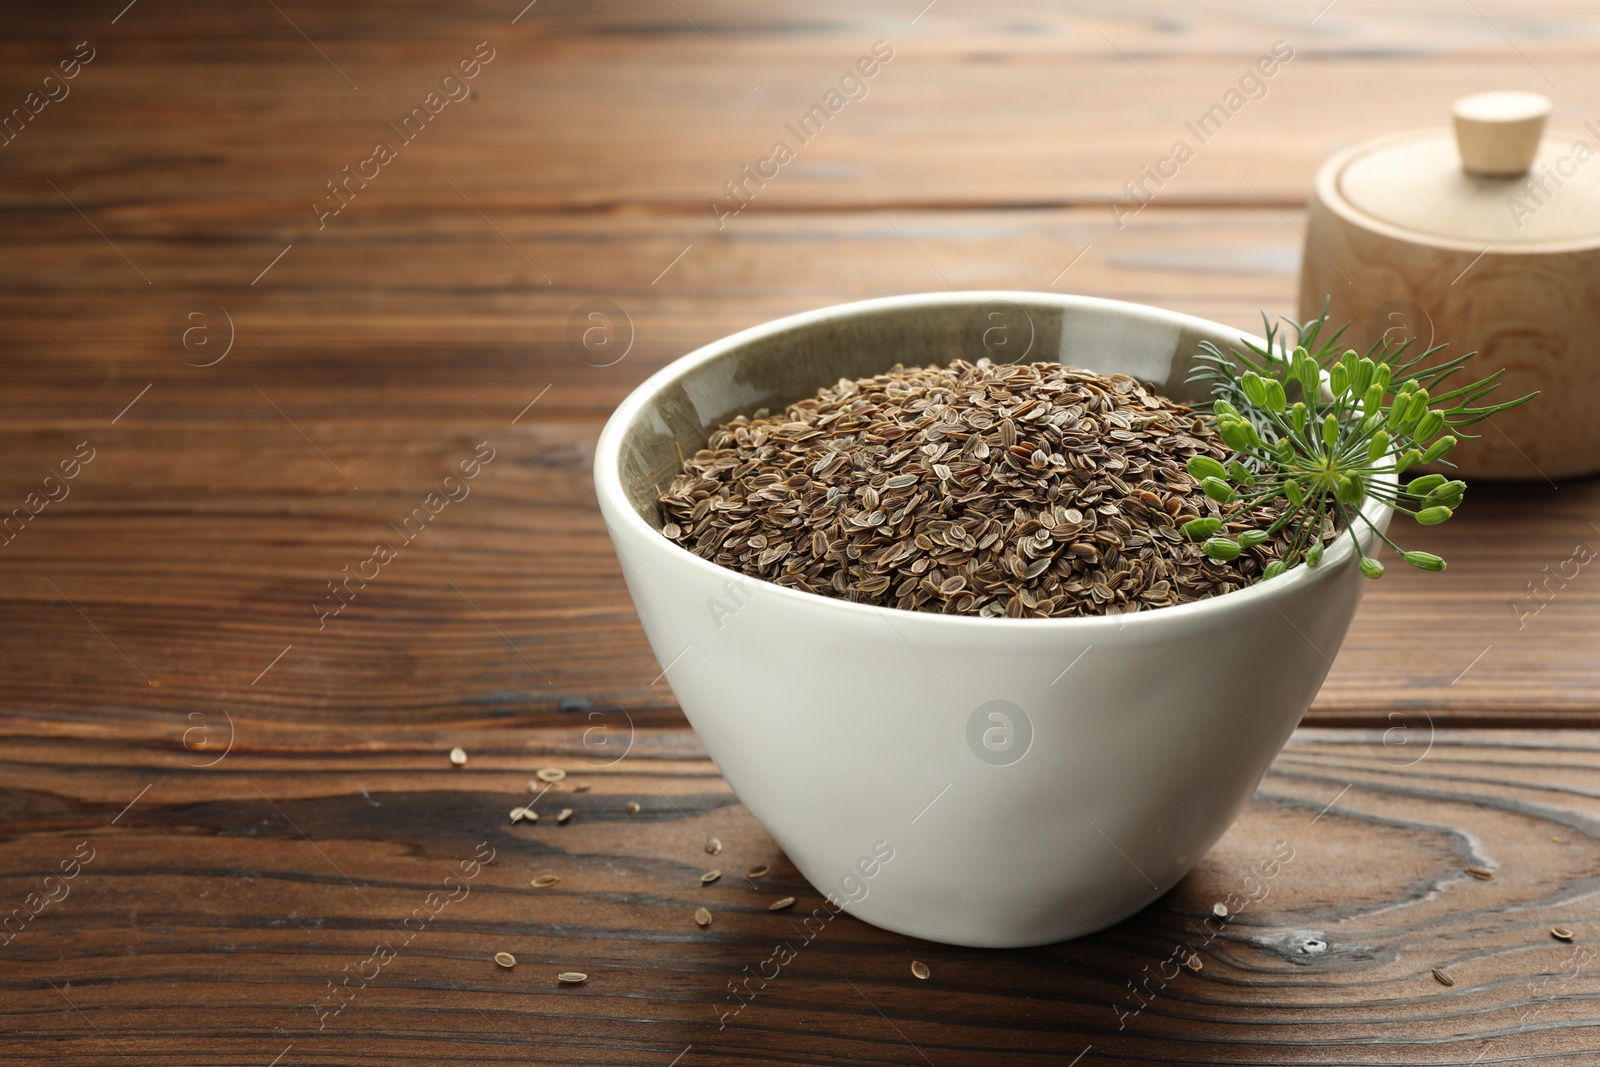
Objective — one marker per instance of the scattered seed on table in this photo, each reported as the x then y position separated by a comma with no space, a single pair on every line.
505,959
518,814
702,917
632,808
919,970
1482,874
535,786
709,877
581,787
1194,963
550,774
544,881
1561,933
566,813
713,846
458,756
1443,979
758,870
572,977
1219,910
779,905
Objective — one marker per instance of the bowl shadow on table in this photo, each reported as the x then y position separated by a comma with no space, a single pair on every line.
1338,907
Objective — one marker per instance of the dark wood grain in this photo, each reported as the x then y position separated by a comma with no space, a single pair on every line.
207,527
413,326
267,796
622,107
217,907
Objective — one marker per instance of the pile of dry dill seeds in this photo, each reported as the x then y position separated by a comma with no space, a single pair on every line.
975,489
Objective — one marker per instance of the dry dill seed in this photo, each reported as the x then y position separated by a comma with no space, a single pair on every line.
544,881
713,846
1482,874
758,870
979,489
505,959
458,756
1443,979
518,814
572,977
779,905
632,807
1194,962
1219,910
702,917
566,813
709,877
919,970
550,774
1561,933
581,787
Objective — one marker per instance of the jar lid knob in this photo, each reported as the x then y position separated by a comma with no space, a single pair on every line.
1498,134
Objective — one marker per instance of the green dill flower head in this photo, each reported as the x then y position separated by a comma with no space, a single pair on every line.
1319,460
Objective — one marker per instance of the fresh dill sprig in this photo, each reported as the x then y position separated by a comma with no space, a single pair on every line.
1325,453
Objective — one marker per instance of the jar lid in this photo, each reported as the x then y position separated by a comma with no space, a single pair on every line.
1501,179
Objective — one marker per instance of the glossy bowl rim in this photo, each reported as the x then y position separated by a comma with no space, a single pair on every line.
615,506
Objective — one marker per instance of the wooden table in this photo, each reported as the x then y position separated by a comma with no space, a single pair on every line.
252,793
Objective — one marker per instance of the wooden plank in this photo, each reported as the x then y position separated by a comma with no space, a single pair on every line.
256,797
220,903
613,108
206,528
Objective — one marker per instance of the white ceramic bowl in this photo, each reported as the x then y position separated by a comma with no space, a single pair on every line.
986,782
